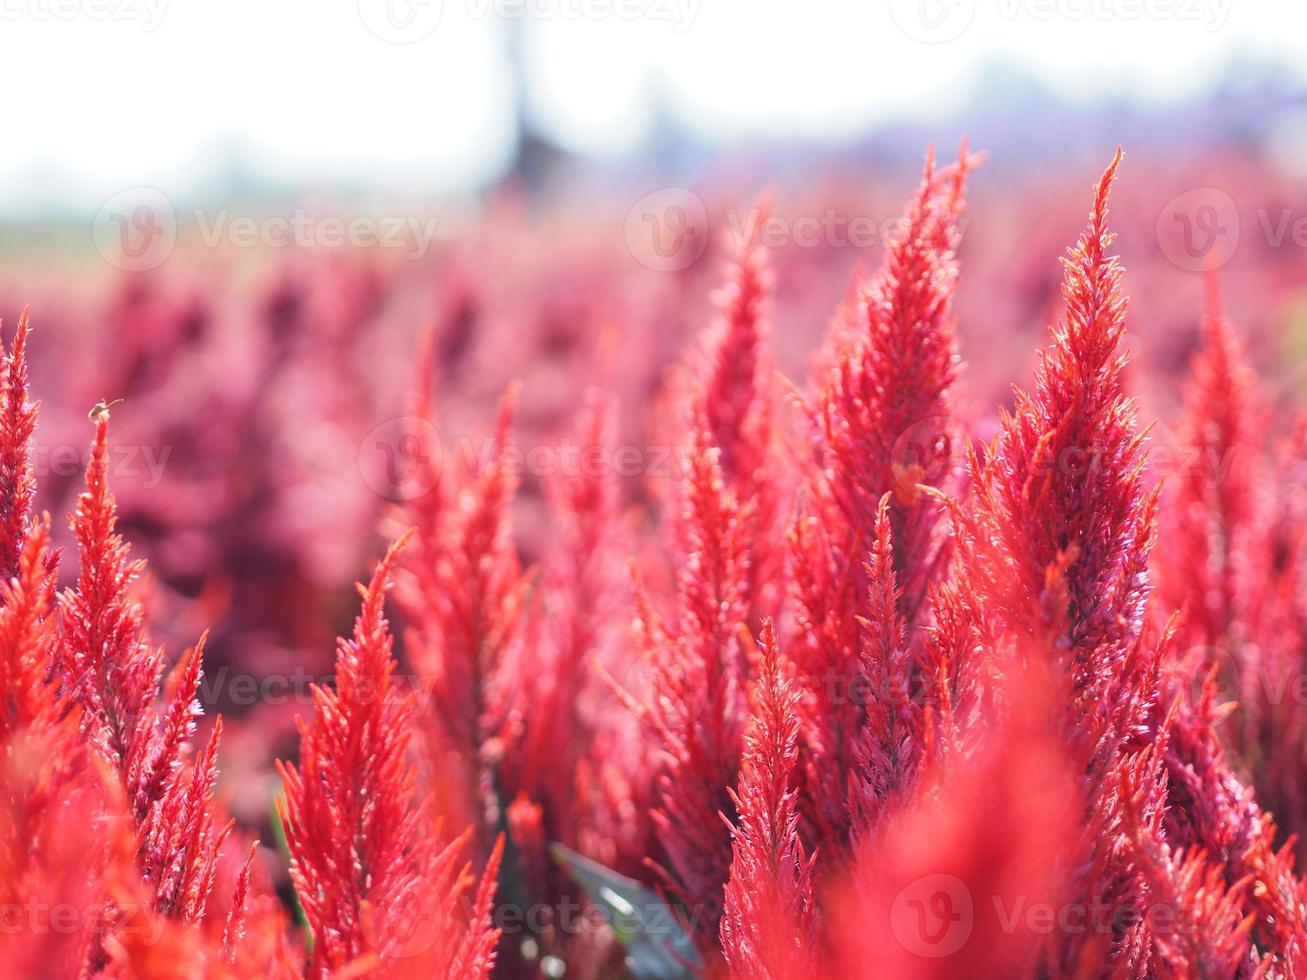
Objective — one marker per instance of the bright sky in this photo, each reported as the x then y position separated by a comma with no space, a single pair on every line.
103,94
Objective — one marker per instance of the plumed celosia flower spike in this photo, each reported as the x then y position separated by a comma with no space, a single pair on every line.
357,836
888,745
1195,921
883,425
348,812
946,885
1214,559
424,510
1270,728
696,704
463,614
583,575
735,393
111,669
1062,495
40,754
884,416
28,638
769,926
17,423
735,401
575,754
110,665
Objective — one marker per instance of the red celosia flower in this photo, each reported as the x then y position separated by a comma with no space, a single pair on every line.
734,397
769,926
462,598
17,423
112,670
1215,546
966,877
372,885
883,425
887,747
695,707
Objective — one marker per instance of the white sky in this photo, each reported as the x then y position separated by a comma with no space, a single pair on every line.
98,95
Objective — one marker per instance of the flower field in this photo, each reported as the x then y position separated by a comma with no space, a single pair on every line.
799,605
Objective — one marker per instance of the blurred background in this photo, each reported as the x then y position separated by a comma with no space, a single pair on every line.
242,218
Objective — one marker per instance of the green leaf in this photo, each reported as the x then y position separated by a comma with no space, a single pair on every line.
657,947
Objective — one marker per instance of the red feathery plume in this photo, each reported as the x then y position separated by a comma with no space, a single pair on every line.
28,638
582,591
1062,487
696,704
886,752
884,416
17,423
462,600
883,425
48,808
112,670
969,875
1055,546
769,926
1272,661
357,836
1196,918
735,398
1211,570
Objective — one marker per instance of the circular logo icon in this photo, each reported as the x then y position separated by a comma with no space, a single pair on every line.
400,21
667,230
933,916
1220,665
400,459
933,21
927,452
1199,228
136,229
